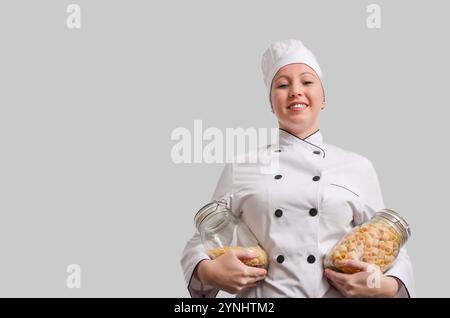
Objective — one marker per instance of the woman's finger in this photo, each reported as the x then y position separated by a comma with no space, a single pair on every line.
335,276
256,278
253,271
256,274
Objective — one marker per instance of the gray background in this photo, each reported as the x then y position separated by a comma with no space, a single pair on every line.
86,115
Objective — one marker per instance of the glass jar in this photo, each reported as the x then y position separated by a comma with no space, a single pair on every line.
376,241
221,231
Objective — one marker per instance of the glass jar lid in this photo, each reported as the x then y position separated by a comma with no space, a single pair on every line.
397,220
208,210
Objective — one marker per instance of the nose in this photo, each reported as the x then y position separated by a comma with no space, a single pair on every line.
296,90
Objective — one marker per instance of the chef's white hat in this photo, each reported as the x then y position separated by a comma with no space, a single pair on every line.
282,53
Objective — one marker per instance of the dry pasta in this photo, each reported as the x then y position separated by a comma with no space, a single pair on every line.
259,261
373,243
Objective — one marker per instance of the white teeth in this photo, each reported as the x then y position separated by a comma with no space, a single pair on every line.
297,106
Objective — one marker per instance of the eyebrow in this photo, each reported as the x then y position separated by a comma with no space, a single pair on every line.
300,75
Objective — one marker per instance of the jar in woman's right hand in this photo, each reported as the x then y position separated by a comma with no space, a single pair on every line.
376,241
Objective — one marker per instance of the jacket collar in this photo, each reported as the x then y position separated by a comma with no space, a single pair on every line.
312,143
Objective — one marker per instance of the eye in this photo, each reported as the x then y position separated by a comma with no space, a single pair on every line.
307,83
282,85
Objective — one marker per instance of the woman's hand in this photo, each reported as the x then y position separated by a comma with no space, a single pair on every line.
228,273
368,282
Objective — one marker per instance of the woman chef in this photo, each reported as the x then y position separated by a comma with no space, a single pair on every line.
319,193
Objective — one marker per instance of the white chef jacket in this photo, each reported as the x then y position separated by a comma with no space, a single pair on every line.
298,213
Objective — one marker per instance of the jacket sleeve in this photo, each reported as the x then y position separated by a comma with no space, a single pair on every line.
372,200
194,252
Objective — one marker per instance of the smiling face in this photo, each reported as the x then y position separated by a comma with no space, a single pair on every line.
297,98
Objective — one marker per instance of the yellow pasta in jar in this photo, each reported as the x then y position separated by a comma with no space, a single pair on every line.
259,261
376,243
